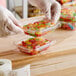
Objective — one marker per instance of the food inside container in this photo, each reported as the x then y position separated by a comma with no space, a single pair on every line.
39,28
34,46
68,15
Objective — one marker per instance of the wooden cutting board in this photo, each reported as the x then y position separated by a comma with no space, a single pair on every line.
65,45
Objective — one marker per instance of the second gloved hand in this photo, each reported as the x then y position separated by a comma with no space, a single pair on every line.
8,23
51,8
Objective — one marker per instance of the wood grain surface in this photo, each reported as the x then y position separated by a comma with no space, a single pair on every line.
58,60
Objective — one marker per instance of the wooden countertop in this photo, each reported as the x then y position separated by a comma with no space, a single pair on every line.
58,60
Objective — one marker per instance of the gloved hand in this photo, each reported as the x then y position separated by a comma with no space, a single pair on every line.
8,23
51,8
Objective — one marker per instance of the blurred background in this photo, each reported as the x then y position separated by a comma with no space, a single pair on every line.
22,9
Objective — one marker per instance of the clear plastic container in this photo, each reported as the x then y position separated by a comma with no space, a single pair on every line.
68,14
33,46
39,28
70,4
68,18
68,25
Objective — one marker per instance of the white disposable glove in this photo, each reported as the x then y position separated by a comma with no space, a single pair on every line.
8,23
51,8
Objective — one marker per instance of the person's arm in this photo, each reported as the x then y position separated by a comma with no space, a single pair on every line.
8,23
3,3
